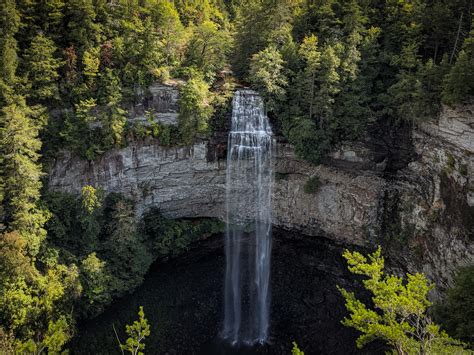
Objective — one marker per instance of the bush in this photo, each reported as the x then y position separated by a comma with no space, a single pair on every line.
310,143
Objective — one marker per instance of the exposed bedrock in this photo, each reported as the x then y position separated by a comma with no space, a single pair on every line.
182,183
412,192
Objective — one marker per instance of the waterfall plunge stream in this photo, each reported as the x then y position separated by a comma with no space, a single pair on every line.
249,221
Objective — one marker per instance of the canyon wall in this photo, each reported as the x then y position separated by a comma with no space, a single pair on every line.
416,199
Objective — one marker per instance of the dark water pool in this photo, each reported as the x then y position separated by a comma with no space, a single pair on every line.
182,299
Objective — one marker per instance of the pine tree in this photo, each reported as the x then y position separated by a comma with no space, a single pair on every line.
309,51
9,25
170,31
113,116
21,173
329,85
82,29
195,108
400,315
42,68
459,83
137,333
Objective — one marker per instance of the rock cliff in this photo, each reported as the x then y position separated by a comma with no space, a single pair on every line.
419,207
428,206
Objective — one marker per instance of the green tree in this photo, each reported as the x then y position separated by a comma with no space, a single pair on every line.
199,11
126,250
113,116
20,173
328,81
96,283
456,311
400,315
137,332
266,75
9,25
459,83
29,303
310,142
195,108
208,47
311,55
355,104
171,31
42,68
79,130
91,201
56,336
81,27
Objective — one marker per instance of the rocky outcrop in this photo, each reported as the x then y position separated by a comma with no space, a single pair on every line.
179,180
182,183
428,209
160,101
344,206
411,191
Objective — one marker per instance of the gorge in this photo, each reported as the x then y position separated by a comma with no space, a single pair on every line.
358,187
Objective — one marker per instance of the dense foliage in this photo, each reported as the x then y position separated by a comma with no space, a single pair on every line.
399,314
70,69
330,68
456,312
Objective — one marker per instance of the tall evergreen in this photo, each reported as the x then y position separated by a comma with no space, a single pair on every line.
41,65
21,173
459,83
9,25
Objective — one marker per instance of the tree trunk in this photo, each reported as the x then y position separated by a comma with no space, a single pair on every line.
457,39
312,96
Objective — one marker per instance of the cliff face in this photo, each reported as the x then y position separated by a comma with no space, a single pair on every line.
182,183
429,205
418,202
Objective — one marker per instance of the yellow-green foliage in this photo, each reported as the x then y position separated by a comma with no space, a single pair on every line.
296,350
137,332
195,108
90,199
399,315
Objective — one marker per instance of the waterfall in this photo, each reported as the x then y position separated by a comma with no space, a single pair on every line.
249,220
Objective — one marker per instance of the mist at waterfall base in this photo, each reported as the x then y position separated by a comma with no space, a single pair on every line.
249,183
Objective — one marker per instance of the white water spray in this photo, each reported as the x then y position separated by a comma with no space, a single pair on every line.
249,221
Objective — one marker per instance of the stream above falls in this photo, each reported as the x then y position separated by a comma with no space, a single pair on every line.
182,300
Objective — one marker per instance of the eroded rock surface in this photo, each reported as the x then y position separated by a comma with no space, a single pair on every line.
182,183
178,180
412,192
430,201
160,101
